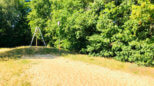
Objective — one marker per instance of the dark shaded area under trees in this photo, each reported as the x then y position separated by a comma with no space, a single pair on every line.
14,28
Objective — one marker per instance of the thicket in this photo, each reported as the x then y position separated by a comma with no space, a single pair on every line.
14,28
121,29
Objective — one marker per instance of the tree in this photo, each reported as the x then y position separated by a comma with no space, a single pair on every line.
14,30
121,29
39,14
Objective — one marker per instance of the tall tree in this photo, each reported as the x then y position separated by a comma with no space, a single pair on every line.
39,14
14,29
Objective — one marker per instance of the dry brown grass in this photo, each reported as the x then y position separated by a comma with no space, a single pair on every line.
12,72
64,72
4,49
114,65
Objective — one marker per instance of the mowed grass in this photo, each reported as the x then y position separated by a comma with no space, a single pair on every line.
113,64
12,68
12,72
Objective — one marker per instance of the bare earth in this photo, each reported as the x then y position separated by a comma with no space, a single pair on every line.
63,72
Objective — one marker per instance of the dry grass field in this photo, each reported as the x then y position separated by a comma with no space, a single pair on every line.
11,72
48,69
114,65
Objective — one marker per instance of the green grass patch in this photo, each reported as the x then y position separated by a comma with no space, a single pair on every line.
18,52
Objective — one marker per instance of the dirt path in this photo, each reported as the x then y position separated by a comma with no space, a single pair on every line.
64,72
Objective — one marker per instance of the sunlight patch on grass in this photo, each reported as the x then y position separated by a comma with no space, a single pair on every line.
4,49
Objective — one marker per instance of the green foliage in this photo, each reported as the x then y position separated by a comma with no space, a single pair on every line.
14,30
139,52
74,24
122,29
39,14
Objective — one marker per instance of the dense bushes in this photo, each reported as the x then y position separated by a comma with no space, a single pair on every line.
14,29
122,29
139,52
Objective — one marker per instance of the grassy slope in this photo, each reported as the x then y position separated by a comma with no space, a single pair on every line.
104,62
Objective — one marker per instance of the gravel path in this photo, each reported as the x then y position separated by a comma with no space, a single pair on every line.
64,72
